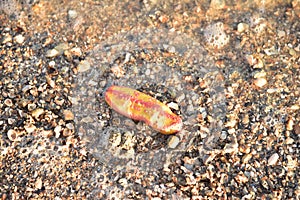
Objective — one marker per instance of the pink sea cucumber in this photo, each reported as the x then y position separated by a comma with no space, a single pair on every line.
139,106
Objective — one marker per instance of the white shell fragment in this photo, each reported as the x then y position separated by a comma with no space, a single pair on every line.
273,159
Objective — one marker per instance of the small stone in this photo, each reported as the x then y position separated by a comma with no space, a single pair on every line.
19,39
180,98
272,90
87,120
57,131
246,158
50,81
123,182
163,18
37,112
70,126
31,106
76,51
292,52
26,88
147,73
289,141
292,163
260,74
242,27
244,149
52,53
259,64
231,147
59,101
223,135
241,178
251,59
173,142
231,131
29,128
118,71
173,105
62,47
39,183
281,33
260,82
295,107
68,115
7,39
72,14
52,63
297,128
217,4
290,124
83,66
231,123
47,133
273,159
271,51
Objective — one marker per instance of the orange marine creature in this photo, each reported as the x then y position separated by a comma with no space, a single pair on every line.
142,107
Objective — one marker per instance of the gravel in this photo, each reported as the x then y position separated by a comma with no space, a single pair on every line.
230,70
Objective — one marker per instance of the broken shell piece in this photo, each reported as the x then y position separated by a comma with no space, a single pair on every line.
12,135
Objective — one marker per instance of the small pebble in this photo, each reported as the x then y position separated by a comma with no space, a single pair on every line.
242,27
173,142
31,106
147,73
7,39
289,141
272,90
260,74
84,66
52,53
259,64
19,39
29,128
260,82
72,14
217,4
173,105
246,158
292,52
57,131
223,135
62,47
273,159
271,51
37,112
280,34
76,51
68,115
290,124
70,126
39,183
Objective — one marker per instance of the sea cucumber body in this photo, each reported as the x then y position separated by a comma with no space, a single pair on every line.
139,106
